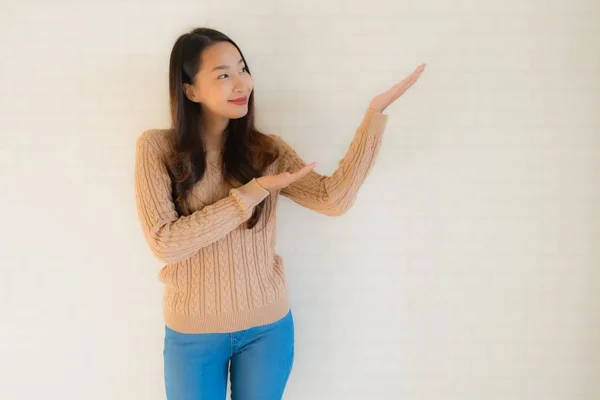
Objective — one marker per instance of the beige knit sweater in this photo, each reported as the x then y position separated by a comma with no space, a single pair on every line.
219,276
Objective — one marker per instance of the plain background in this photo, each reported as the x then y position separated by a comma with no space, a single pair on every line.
467,269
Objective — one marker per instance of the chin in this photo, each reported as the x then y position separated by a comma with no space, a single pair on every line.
241,113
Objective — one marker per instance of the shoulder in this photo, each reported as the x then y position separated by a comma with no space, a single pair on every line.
157,140
286,153
280,143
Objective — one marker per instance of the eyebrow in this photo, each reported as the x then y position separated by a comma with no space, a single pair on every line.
225,66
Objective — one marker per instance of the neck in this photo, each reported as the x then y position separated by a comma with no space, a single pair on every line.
213,141
213,130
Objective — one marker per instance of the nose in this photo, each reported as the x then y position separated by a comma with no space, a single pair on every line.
242,86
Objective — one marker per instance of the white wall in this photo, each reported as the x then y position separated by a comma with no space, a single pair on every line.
467,269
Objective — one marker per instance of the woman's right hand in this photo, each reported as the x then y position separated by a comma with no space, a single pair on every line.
279,181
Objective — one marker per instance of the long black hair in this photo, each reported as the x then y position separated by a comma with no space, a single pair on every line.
247,152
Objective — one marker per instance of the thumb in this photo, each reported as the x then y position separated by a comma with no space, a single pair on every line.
306,169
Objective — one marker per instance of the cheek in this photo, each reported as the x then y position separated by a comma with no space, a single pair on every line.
218,92
250,82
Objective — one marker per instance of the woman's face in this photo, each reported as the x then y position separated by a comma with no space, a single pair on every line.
222,77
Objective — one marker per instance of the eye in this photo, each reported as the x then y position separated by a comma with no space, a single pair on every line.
228,75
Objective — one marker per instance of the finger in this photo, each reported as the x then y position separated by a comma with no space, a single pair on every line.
306,169
409,81
303,171
405,84
412,78
397,90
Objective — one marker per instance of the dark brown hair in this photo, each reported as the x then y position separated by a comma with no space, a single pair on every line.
246,153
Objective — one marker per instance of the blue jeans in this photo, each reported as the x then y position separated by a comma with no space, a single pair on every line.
259,359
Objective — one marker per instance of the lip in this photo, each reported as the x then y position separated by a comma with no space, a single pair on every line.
240,100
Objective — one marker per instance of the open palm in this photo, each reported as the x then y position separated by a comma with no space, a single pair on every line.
279,181
383,100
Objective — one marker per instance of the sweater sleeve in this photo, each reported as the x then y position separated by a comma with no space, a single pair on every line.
173,238
334,195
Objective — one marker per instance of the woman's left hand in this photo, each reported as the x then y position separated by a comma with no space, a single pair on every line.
382,101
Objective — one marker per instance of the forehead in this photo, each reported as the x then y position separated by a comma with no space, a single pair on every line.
222,53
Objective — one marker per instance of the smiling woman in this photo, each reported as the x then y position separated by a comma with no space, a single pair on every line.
201,188
222,77
208,76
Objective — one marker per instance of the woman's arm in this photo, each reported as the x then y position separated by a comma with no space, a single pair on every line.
170,237
334,195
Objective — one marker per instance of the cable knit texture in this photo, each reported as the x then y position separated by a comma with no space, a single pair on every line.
218,275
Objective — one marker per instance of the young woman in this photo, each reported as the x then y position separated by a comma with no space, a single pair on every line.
206,193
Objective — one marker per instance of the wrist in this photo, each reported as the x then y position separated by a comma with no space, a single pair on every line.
260,181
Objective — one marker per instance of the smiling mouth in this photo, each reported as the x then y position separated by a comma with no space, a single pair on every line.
242,100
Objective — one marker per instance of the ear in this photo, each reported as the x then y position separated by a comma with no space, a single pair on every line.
189,92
